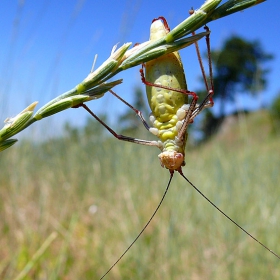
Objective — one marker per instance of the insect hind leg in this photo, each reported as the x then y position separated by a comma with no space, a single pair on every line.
208,101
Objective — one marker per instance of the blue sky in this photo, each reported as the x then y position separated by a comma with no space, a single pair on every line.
47,47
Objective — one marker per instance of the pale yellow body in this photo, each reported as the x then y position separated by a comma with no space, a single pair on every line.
168,107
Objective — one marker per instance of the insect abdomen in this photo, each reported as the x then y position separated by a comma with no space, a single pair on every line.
166,71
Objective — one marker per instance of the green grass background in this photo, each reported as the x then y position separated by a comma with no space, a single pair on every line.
98,194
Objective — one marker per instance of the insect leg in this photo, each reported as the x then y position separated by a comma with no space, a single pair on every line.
119,136
163,19
138,113
188,119
183,91
208,101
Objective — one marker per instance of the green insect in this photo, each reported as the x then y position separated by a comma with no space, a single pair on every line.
172,112
168,96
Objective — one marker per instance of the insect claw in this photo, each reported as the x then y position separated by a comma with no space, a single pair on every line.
207,28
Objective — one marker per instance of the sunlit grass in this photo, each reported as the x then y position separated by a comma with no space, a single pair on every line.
98,195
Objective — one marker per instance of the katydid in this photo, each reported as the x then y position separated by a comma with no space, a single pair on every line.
168,98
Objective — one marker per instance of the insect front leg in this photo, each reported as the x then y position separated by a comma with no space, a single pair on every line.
138,113
206,103
120,136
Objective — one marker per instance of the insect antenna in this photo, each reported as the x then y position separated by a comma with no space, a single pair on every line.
143,229
180,171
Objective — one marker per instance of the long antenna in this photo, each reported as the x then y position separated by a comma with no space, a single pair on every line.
180,171
127,249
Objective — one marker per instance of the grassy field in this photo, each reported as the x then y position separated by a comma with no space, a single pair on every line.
70,208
